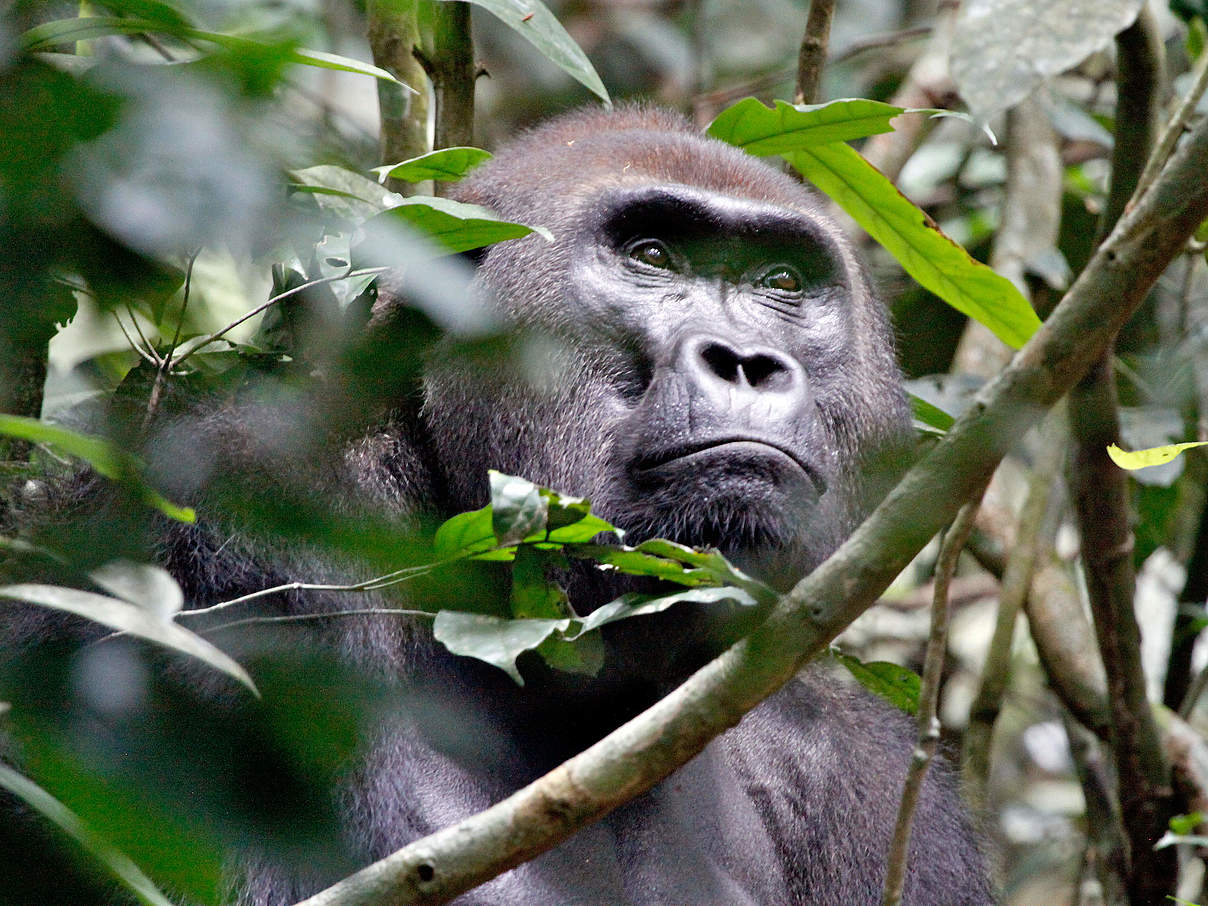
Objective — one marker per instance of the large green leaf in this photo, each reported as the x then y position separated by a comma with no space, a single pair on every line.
86,28
105,457
761,130
935,261
493,639
135,618
444,165
635,605
533,19
117,862
457,226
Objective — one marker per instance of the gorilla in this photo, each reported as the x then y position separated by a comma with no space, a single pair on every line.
716,370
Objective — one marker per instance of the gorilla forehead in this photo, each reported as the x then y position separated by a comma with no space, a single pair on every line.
587,152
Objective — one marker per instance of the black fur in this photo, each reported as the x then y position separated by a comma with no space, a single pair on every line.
691,402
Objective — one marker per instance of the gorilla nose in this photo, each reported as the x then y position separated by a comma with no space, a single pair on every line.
722,365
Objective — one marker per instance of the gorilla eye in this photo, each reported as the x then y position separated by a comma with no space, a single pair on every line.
781,277
651,252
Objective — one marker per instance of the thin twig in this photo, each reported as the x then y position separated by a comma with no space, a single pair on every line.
218,335
929,693
302,617
374,584
812,56
165,365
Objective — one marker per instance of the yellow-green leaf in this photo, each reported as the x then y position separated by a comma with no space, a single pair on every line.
1153,456
907,233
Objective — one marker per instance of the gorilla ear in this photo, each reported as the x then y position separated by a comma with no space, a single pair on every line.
475,257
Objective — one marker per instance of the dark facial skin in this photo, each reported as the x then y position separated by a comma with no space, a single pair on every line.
728,310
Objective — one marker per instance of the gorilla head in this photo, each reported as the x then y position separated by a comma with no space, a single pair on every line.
717,369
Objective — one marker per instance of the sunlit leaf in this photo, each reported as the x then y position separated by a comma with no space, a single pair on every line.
114,860
534,21
444,164
134,619
105,457
935,261
457,226
892,682
1153,456
761,130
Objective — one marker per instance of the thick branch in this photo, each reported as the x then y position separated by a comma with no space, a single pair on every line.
393,37
1101,502
648,748
448,58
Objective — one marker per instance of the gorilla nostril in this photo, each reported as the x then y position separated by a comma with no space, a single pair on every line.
722,361
759,371
764,372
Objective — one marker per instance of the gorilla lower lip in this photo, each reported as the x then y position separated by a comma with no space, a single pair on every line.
737,448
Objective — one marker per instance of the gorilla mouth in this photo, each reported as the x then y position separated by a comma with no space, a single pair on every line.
735,448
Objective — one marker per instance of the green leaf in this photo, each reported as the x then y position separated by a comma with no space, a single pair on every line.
457,226
135,619
493,639
466,534
115,861
933,418
637,605
892,682
66,31
761,130
517,509
935,261
534,594
1153,456
106,458
534,21
584,655
444,165
343,192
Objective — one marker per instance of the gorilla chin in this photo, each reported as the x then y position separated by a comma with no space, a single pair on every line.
751,499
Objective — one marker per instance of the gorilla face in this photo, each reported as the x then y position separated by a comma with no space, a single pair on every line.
717,371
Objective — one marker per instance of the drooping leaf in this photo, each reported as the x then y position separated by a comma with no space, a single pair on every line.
762,130
892,682
533,20
493,639
115,861
134,619
636,605
444,165
457,226
105,457
1153,456
931,258
86,28
1002,50
143,584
